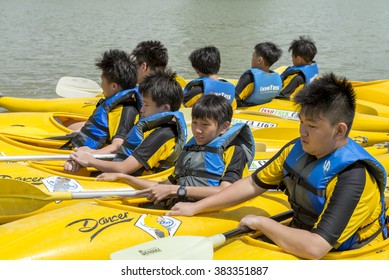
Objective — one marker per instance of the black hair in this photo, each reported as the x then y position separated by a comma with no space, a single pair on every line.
162,87
153,53
304,47
269,52
206,60
214,107
117,67
330,96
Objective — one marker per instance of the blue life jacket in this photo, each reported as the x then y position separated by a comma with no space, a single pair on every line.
136,136
212,86
95,132
310,72
306,184
203,165
266,87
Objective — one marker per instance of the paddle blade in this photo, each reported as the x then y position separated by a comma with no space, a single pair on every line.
17,197
71,87
172,248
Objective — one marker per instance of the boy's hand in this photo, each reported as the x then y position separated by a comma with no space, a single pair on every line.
251,221
182,209
159,192
71,166
81,157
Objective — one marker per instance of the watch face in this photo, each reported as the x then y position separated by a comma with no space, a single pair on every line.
181,191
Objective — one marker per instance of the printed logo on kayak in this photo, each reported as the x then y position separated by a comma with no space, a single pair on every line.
254,124
31,180
97,226
61,184
158,226
290,115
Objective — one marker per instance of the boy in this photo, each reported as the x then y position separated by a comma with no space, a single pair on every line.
114,115
154,143
149,56
334,186
206,62
216,156
304,69
259,84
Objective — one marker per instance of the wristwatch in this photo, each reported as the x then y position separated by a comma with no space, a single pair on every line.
181,192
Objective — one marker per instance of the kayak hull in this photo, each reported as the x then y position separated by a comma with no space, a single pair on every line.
93,230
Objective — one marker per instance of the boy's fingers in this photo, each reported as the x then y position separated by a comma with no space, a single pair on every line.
144,191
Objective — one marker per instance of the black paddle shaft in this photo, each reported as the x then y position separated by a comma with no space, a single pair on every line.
245,229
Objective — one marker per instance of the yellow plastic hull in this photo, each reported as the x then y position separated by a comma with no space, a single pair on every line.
286,109
83,105
37,128
373,99
94,230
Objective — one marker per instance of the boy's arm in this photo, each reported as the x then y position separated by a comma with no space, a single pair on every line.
128,166
236,193
111,148
129,179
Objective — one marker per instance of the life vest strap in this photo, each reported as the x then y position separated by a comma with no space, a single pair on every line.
199,148
198,173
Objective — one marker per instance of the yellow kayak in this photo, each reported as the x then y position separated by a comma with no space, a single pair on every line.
45,129
81,105
278,136
373,91
372,99
93,230
287,110
83,230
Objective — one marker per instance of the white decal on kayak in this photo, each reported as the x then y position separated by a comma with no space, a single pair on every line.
61,184
254,124
290,115
158,226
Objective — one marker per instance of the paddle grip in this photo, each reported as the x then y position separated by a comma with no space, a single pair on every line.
245,229
237,231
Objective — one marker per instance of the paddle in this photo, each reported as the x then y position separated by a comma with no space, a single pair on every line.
18,197
71,87
49,157
183,247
